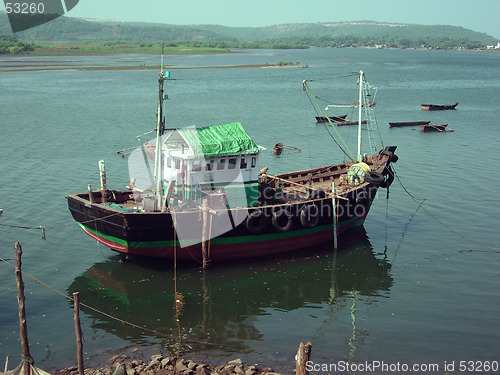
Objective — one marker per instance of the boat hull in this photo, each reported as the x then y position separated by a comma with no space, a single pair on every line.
438,107
284,227
434,128
152,234
408,123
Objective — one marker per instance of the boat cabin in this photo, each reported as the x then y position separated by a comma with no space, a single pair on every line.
215,162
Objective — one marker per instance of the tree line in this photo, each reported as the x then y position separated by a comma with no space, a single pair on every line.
11,45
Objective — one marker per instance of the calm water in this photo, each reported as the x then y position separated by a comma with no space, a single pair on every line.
403,289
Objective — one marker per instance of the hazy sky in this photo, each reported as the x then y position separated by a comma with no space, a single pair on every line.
477,15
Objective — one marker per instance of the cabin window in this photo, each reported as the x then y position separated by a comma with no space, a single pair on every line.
221,164
196,165
232,164
254,162
243,163
177,163
209,165
169,162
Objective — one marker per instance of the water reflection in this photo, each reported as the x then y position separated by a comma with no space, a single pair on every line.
222,304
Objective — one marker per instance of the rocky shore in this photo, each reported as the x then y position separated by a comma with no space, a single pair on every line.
162,365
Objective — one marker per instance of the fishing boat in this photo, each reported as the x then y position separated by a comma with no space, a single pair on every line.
332,118
206,198
408,123
438,107
435,128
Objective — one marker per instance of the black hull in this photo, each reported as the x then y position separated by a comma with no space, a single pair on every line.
284,226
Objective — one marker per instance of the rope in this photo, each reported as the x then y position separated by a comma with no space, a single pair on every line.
436,219
42,228
99,311
347,153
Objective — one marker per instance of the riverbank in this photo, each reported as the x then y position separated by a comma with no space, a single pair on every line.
159,364
33,66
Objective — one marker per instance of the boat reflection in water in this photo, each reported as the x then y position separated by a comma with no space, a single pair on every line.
222,305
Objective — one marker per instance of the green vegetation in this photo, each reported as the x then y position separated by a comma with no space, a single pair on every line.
287,63
432,43
10,44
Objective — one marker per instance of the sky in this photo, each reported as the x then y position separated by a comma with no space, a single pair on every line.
477,15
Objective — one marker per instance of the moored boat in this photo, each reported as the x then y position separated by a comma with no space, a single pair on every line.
408,123
344,123
278,149
332,118
438,107
208,199
435,128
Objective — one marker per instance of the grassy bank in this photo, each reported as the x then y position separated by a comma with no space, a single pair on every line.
110,48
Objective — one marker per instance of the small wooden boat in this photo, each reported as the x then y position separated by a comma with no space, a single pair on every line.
278,148
342,123
438,107
435,128
332,118
408,123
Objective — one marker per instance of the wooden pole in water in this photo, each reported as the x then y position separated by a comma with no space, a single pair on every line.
334,210
102,173
204,232
78,331
302,357
23,327
91,195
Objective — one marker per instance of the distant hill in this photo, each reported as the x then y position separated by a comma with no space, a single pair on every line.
75,29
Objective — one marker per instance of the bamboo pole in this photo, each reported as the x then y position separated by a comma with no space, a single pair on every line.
204,209
6,363
102,173
78,332
335,219
302,357
91,194
23,326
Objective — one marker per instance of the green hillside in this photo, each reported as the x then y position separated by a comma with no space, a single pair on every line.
361,33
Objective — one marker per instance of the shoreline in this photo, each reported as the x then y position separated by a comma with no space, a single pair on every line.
47,67
160,364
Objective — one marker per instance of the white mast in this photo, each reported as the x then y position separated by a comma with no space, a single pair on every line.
360,103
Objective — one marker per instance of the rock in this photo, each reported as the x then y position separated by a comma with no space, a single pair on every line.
252,370
120,370
156,358
166,362
202,370
235,362
180,366
191,365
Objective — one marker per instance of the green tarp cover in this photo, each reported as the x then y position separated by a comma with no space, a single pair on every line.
218,140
